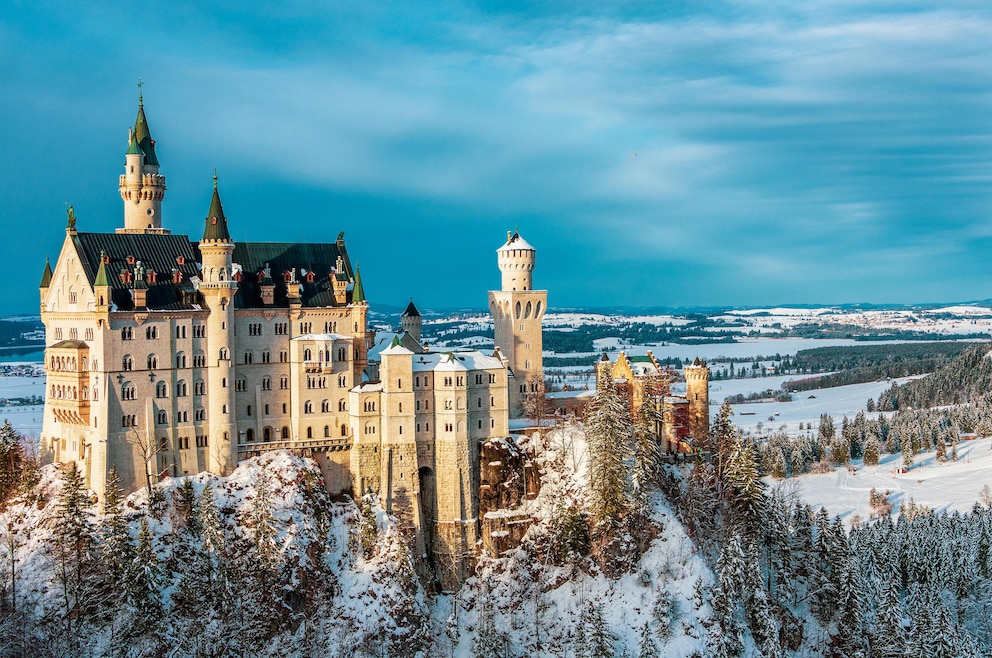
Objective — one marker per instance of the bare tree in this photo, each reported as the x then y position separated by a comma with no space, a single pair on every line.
149,450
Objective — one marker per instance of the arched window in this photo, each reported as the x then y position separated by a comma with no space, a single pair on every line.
325,407
222,354
344,430
181,388
160,390
266,434
181,360
342,405
309,432
128,391
284,435
199,387
308,407
327,431
127,363
249,435
307,354
152,362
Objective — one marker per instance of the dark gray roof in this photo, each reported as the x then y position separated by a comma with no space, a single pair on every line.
281,257
158,253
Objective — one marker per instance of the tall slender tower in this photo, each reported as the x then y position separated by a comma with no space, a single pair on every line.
218,288
697,391
142,187
517,311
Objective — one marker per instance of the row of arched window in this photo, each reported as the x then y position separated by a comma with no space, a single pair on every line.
60,392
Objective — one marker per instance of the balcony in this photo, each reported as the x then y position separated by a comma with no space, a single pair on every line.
305,447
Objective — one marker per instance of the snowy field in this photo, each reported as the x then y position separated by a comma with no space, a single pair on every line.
24,419
806,406
951,486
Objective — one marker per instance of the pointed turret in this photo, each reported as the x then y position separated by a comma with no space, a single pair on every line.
46,276
410,321
101,273
216,226
142,188
358,291
101,284
143,136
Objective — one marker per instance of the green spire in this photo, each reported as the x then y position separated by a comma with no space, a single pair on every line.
101,274
143,136
46,276
132,145
216,227
358,291
396,341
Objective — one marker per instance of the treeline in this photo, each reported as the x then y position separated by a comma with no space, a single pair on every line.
858,364
795,582
856,332
965,379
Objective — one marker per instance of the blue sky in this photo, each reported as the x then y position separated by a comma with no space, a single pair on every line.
786,152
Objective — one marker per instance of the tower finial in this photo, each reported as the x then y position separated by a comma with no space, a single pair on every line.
215,178
141,96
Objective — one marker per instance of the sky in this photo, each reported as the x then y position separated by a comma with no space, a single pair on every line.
659,154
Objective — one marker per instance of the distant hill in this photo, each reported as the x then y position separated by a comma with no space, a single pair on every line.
965,379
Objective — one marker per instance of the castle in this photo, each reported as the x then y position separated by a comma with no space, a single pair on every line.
167,356
684,420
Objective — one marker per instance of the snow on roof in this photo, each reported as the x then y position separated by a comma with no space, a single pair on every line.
451,361
516,242
324,337
396,349
560,395
371,387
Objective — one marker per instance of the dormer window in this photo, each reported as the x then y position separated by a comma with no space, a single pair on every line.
309,277
237,277
180,261
152,277
130,260
125,277
177,276
287,277
106,260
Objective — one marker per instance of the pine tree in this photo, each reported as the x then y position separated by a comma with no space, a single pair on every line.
11,458
214,549
117,550
890,636
907,450
144,582
72,548
646,647
599,637
871,452
368,529
646,454
724,437
609,436
941,449
745,490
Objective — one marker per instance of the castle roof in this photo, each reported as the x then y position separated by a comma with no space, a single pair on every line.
318,259
411,311
143,136
216,222
455,361
514,241
164,254
46,276
358,290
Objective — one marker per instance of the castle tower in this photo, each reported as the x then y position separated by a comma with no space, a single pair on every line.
400,484
142,188
218,288
517,311
411,321
697,391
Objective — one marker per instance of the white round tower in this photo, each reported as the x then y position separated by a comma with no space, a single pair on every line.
516,261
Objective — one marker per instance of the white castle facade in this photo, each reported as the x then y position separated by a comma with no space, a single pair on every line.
167,356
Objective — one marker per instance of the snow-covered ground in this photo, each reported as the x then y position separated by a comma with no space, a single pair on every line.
806,406
943,486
